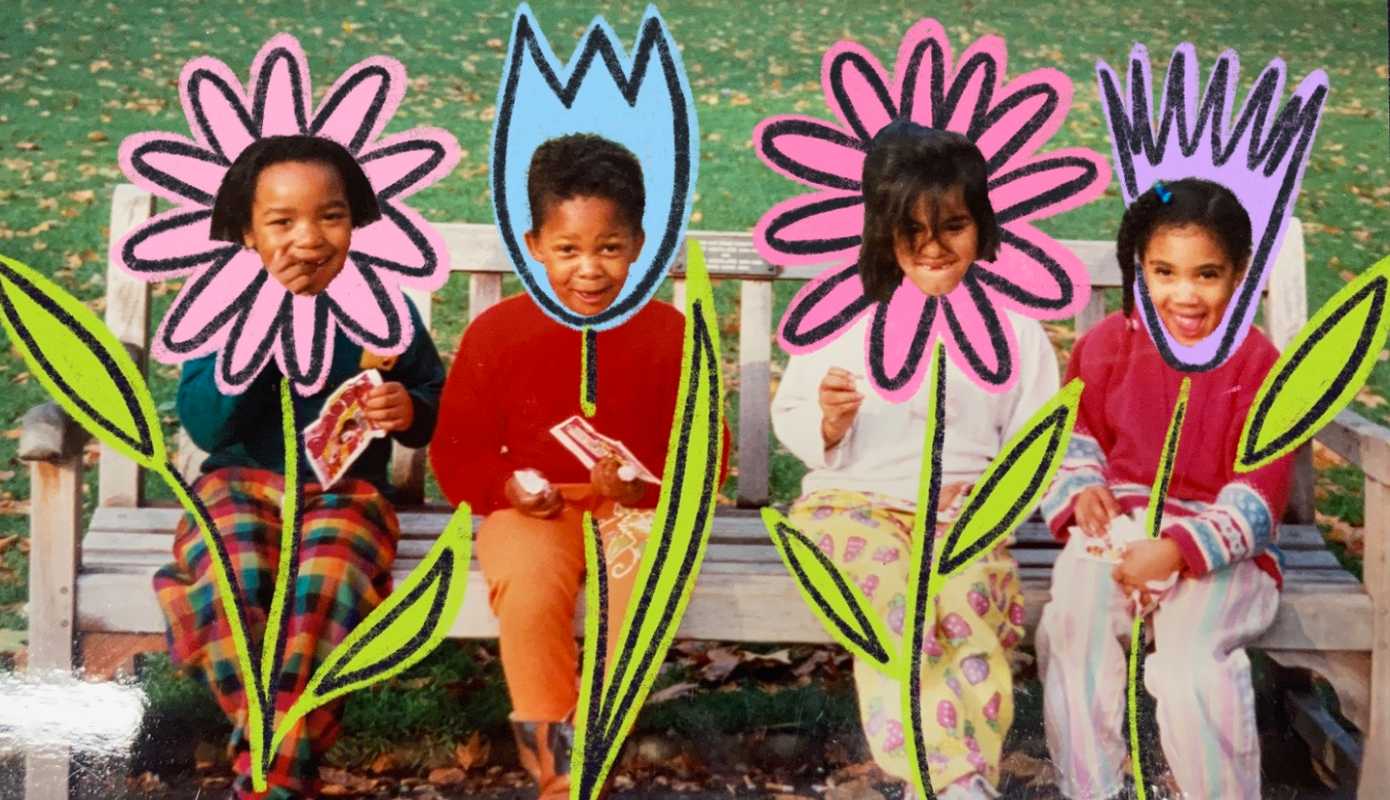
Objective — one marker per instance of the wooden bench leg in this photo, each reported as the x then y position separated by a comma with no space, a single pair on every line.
106,656
55,519
1375,766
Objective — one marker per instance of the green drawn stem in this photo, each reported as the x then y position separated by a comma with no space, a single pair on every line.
247,666
588,372
924,561
1153,522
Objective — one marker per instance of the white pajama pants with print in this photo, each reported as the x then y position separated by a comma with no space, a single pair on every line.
1198,674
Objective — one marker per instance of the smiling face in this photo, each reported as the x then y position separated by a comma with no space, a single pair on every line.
302,205
587,247
1190,279
935,261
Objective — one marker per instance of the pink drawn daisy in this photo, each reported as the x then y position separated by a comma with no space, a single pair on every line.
228,303
1033,275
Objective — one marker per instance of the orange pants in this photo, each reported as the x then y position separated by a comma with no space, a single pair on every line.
535,573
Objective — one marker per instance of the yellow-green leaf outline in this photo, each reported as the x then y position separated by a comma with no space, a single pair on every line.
1358,312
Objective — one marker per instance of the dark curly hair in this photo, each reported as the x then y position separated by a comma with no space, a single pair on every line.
231,210
1190,201
905,163
585,165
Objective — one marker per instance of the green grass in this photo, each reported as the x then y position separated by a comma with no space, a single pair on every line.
76,77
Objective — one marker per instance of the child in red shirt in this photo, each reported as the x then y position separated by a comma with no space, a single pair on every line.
1191,240
515,375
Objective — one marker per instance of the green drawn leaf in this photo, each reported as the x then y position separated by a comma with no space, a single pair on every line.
80,363
401,631
611,698
1016,479
835,600
1319,372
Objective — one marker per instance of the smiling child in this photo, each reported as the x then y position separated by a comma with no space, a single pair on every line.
516,375
1189,241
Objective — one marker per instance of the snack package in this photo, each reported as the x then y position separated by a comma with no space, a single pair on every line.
342,433
1111,546
590,446
531,481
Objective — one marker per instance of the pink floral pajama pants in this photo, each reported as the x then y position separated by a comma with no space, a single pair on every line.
967,685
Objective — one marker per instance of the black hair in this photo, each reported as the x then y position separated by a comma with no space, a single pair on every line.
231,210
585,165
1190,201
905,163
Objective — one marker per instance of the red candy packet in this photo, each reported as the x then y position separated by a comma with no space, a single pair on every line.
342,432
590,446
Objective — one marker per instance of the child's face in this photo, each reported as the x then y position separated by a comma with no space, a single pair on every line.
935,261
586,247
1190,280
300,214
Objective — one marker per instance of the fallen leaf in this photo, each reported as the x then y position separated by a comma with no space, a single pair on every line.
671,692
473,753
386,762
447,776
96,136
1370,399
722,661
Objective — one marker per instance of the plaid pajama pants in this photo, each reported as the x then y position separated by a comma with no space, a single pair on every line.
347,544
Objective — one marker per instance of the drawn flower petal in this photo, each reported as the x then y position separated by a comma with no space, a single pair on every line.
1035,274
401,165
280,98
174,167
854,80
216,107
1047,185
811,228
169,245
981,340
252,337
811,152
305,353
403,243
822,309
921,71
965,106
1027,112
197,320
899,337
361,102
372,315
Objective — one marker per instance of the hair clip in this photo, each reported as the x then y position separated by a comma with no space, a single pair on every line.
1162,192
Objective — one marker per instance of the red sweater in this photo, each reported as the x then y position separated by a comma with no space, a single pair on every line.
1216,515
516,374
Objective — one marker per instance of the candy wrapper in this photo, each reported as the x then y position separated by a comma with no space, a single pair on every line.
342,433
590,446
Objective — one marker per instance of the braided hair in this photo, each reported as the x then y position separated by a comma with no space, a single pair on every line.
1190,201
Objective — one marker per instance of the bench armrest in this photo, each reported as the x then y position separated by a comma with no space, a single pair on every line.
47,433
1361,442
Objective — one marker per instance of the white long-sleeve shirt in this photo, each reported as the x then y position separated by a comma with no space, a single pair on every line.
882,452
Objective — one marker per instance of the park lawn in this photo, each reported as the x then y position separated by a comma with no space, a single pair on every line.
79,76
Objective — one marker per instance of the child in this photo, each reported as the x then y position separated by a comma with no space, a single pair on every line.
516,374
294,200
1191,238
927,217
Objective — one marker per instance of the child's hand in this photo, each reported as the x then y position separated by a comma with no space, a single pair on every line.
291,272
1095,507
839,403
606,481
541,505
1149,560
390,408
951,493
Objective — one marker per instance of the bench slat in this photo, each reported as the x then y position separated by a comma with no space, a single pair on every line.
752,602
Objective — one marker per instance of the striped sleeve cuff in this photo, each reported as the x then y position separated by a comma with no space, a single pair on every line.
1237,526
1082,468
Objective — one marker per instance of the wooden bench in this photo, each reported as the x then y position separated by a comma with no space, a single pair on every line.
94,592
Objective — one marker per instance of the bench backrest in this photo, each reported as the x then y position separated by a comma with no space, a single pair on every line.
476,251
